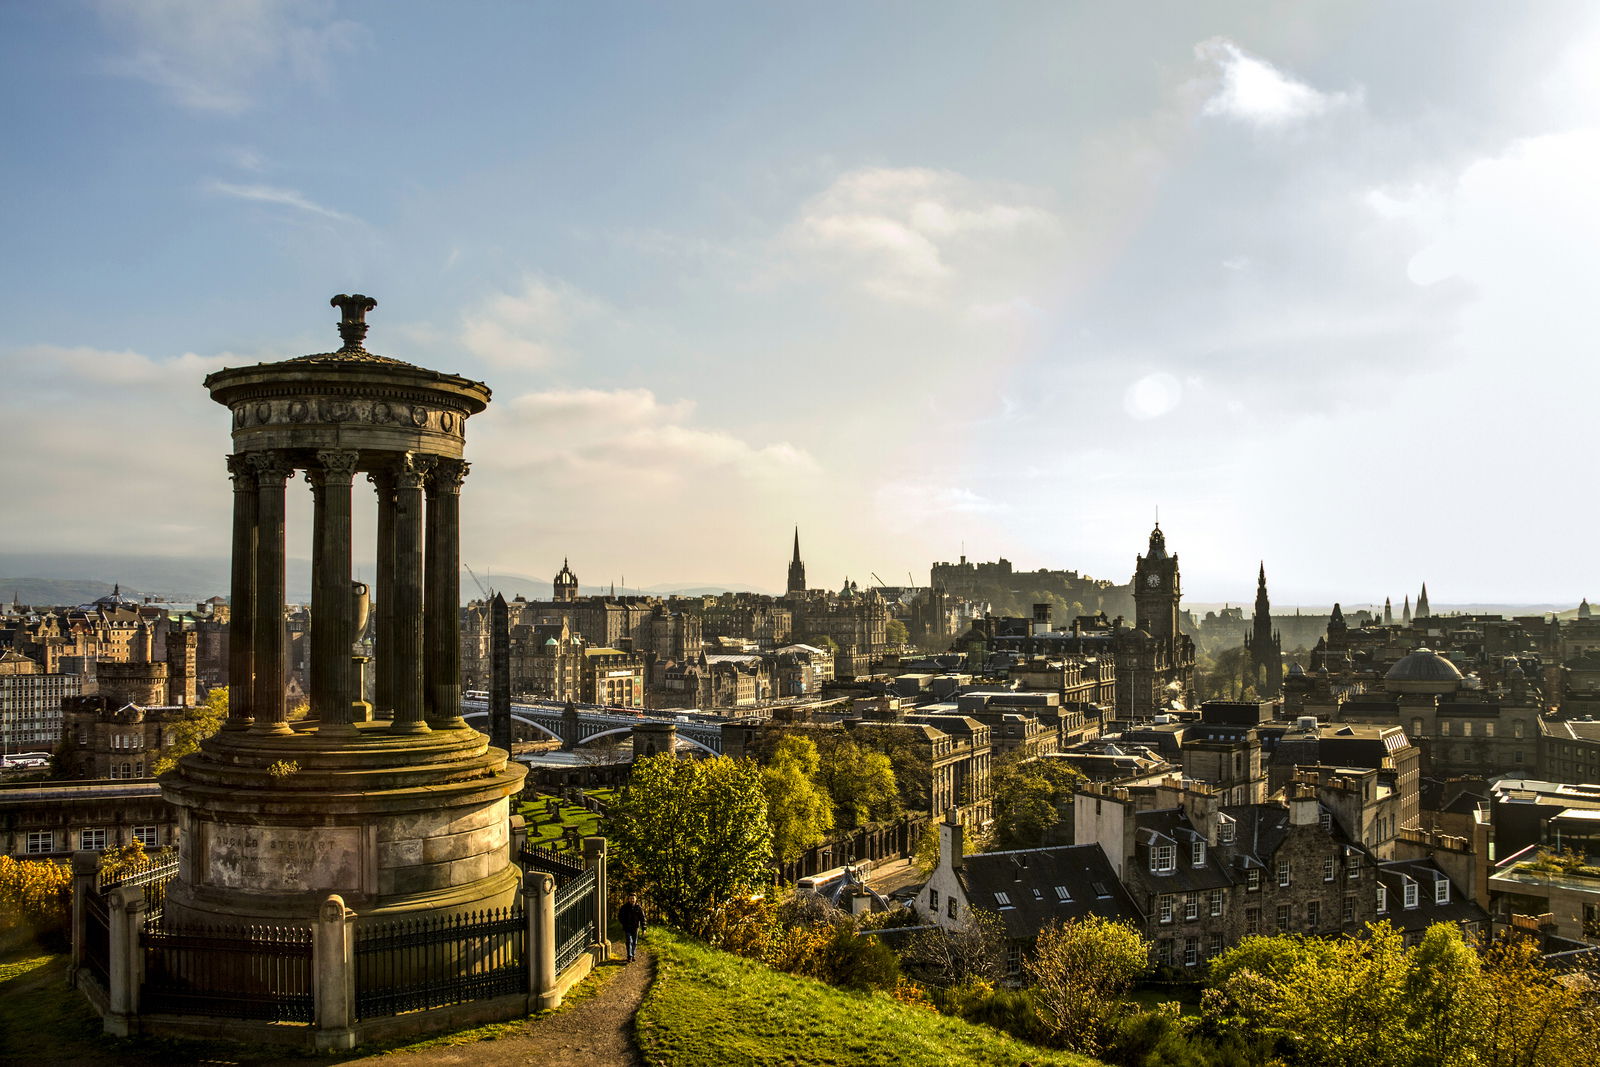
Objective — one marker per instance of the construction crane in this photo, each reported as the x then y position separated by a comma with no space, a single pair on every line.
881,583
474,574
912,580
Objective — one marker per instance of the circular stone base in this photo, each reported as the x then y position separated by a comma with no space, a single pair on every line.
396,824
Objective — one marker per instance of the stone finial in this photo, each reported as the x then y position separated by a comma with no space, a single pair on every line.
353,310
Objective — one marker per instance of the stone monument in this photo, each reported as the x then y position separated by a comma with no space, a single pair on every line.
397,806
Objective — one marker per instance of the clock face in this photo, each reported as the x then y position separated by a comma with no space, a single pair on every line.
1153,581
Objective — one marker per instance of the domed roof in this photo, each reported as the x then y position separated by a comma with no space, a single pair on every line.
1423,665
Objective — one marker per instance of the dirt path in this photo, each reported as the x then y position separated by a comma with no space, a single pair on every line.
595,1033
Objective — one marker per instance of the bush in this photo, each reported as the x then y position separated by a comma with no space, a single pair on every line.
850,959
1011,1011
35,898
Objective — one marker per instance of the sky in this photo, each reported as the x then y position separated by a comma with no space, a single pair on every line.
1317,281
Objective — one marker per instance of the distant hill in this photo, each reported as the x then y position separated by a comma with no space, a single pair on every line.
54,592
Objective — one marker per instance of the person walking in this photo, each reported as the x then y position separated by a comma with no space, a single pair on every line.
631,916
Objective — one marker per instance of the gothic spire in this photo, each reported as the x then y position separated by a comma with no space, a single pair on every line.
797,544
1422,603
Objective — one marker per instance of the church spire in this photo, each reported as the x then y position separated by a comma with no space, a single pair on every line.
1406,617
1388,612
1422,603
797,570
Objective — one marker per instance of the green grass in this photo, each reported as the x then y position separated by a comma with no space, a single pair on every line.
549,818
711,1008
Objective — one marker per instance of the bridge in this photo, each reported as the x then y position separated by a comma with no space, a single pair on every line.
587,723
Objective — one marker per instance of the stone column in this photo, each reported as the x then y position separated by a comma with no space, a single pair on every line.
334,983
442,638
85,873
332,605
241,606
383,653
539,904
268,701
125,967
406,658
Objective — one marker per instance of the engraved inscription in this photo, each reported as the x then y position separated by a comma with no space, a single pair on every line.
280,858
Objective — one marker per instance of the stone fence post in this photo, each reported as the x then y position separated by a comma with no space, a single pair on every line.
85,869
539,891
594,858
125,968
333,977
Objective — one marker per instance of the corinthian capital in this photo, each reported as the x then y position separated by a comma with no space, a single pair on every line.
242,472
448,474
336,465
413,471
271,467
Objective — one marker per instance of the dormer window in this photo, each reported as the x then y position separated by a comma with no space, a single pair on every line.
1225,832
1163,858
1441,891
1383,900
1410,894
1197,854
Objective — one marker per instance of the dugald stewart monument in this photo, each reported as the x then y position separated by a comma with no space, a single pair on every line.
398,807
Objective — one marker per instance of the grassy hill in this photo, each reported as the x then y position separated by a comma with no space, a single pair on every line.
712,1008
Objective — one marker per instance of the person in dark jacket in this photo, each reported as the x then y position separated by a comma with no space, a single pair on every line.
631,916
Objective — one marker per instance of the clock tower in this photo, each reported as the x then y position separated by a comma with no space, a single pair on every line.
1156,591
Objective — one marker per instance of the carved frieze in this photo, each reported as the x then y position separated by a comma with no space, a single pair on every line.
371,412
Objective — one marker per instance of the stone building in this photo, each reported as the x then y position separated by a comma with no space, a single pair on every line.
1461,729
1027,889
1206,874
613,677
52,820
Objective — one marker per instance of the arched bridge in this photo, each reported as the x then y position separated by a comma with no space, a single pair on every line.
593,722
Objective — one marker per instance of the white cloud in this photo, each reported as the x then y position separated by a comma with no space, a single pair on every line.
911,234
1253,91
526,328
121,369
585,434
921,501
213,56
272,194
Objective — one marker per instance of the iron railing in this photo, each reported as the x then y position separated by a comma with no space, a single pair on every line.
159,867
415,964
253,972
562,866
575,909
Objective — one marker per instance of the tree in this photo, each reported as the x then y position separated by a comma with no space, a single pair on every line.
1079,969
1030,801
799,812
860,782
193,726
974,951
1374,1001
691,835
894,633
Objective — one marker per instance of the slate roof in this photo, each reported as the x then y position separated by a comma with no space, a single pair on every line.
1028,888
1172,826
1425,873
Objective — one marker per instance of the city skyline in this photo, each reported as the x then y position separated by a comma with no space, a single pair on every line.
912,278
